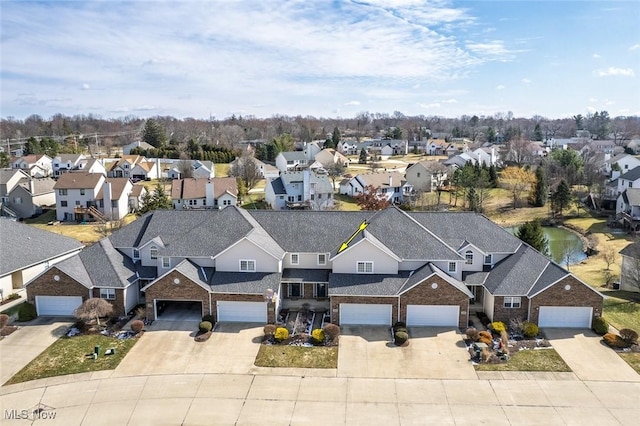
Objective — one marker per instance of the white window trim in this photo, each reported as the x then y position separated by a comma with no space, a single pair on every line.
136,254
324,255
512,300
364,263
108,293
468,257
301,295
295,256
151,251
168,262
455,267
248,261
490,256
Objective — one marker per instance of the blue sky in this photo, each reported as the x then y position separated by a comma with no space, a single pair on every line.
321,58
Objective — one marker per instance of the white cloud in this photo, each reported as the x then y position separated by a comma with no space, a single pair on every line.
613,71
86,86
354,103
501,87
428,106
526,81
596,56
635,47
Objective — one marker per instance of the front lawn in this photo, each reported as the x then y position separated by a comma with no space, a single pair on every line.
529,360
621,312
297,356
68,355
632,358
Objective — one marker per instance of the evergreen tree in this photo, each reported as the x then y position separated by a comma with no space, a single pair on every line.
561,198
540,191
493,176
155,200
537,133
154,134
531,233
363,157
335,137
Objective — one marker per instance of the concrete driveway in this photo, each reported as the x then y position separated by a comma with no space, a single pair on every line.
432,353
24,344
589,357
168,348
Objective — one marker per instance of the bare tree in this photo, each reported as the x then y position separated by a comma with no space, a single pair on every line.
246,169
334,171
184,167
609,256
229,135
519,151
109,227
93,308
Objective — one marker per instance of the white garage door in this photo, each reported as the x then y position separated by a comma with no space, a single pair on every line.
57,305
433,315
242,311
565,316
365,314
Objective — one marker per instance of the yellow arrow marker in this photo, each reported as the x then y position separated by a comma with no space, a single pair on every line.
361,228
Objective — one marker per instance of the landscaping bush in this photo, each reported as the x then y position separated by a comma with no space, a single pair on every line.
209,318
628,335
137,326
205,326
400,330
81,325
281,334
614,341
318,336
600,326
140,312
332,331
498,327
485,335
472,334
27,312
516,325
269,330
13,296
399,324
530,329
4,320
400,338
486,341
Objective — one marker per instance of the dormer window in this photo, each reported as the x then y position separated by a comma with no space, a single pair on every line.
295,258
365,267
136,254
153,252
468,257
488,259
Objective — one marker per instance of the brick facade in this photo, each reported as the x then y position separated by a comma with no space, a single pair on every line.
215,297
337,300
117,303
166,289
500,313
579,294
444,294
46,285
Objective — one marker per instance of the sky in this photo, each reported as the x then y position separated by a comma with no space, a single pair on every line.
322,58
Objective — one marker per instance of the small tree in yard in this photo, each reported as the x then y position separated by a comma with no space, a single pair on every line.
93,309
532,234
369,199
609,255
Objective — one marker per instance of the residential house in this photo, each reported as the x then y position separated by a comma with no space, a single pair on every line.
9,178
199,169
37,166
26,251
328,157
620,164
426,175
28,197
311,149
291,161
628,208
136,197
67,162
634,146
390,185
630,179
353,268
630,270
304,189
126,150
216,193
265,171
144,170
437,147
112,198
124,166
602,146
95,165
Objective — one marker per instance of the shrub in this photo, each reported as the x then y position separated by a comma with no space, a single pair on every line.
530,329
13,296
81,325
137,326
140,312
498,327
27,312
269,330
614,341
516,325
400,330
281,334
205,326
4,320
399,324
400,338
332,331
472,334
600,326
209,318
628,335
485,335
318,335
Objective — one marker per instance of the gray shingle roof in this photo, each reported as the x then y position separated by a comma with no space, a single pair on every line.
278,186
23,245
306,275
517,274
475,278
74,268
633,174
631,250
631,196
294,155
551,274
427,271
244,283
194,272
106,266
456,228
366,284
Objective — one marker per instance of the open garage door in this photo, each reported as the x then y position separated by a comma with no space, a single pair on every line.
365,314
433,315
179,310
57,305
242,311
565,317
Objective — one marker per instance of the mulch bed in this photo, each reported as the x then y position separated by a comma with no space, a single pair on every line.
514,345
7,330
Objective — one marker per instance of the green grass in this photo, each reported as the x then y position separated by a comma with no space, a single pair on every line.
43,219
345,203
531,360
222,169
297,356
621,312
67,355
631,358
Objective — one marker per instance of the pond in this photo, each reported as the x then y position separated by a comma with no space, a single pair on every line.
563,244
